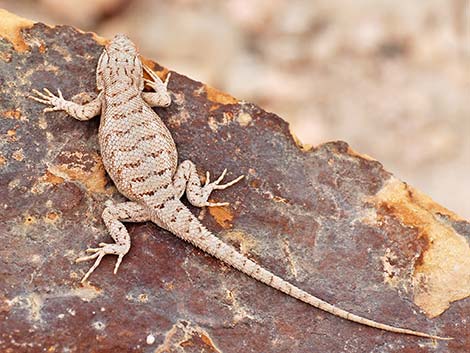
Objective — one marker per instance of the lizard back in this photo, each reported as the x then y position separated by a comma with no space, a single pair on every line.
138,151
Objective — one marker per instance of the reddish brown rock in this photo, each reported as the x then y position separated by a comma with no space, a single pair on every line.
330,220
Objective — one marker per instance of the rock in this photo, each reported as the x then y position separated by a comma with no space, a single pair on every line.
328,219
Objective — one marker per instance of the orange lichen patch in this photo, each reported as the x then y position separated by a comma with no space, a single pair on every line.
428,203
443,274
42,48
12,114
214,123
280,199
12,135
18,155
149,63
300,144
222,215
389,259
10,29
227,117
97,38
188,343
216,96
185,334
47,178
3,161
51,217
4,304
143,298
52,178
208,342
354,153
85,168
214,107
243,241
169,286
5,56
94,179
30,220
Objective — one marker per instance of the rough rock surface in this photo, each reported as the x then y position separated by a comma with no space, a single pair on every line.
330,220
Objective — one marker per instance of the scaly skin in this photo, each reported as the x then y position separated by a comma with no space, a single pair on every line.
141,157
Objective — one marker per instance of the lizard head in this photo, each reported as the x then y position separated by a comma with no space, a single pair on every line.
119,57
121,47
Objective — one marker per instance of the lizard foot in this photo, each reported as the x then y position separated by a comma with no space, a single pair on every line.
57,102
161,96
98,254
155,82
215,185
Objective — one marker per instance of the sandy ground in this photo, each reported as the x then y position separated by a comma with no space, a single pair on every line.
390,78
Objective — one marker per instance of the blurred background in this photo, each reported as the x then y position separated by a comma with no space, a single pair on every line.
390,78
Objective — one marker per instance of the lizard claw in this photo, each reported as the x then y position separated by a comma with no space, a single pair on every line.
219,179
208,178
167,79
98,254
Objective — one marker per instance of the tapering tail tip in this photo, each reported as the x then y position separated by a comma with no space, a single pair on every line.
426,335
442,338
405,331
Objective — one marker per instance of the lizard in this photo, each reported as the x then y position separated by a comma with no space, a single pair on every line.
140,156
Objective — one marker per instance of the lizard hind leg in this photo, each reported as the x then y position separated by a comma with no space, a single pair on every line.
113,216
187,179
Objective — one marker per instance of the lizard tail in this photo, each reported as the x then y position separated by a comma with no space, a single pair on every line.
195,233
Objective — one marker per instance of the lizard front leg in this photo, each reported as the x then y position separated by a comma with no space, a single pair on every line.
78,111
113,216
161,97
187,179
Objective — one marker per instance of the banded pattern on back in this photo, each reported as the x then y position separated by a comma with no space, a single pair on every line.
137,148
